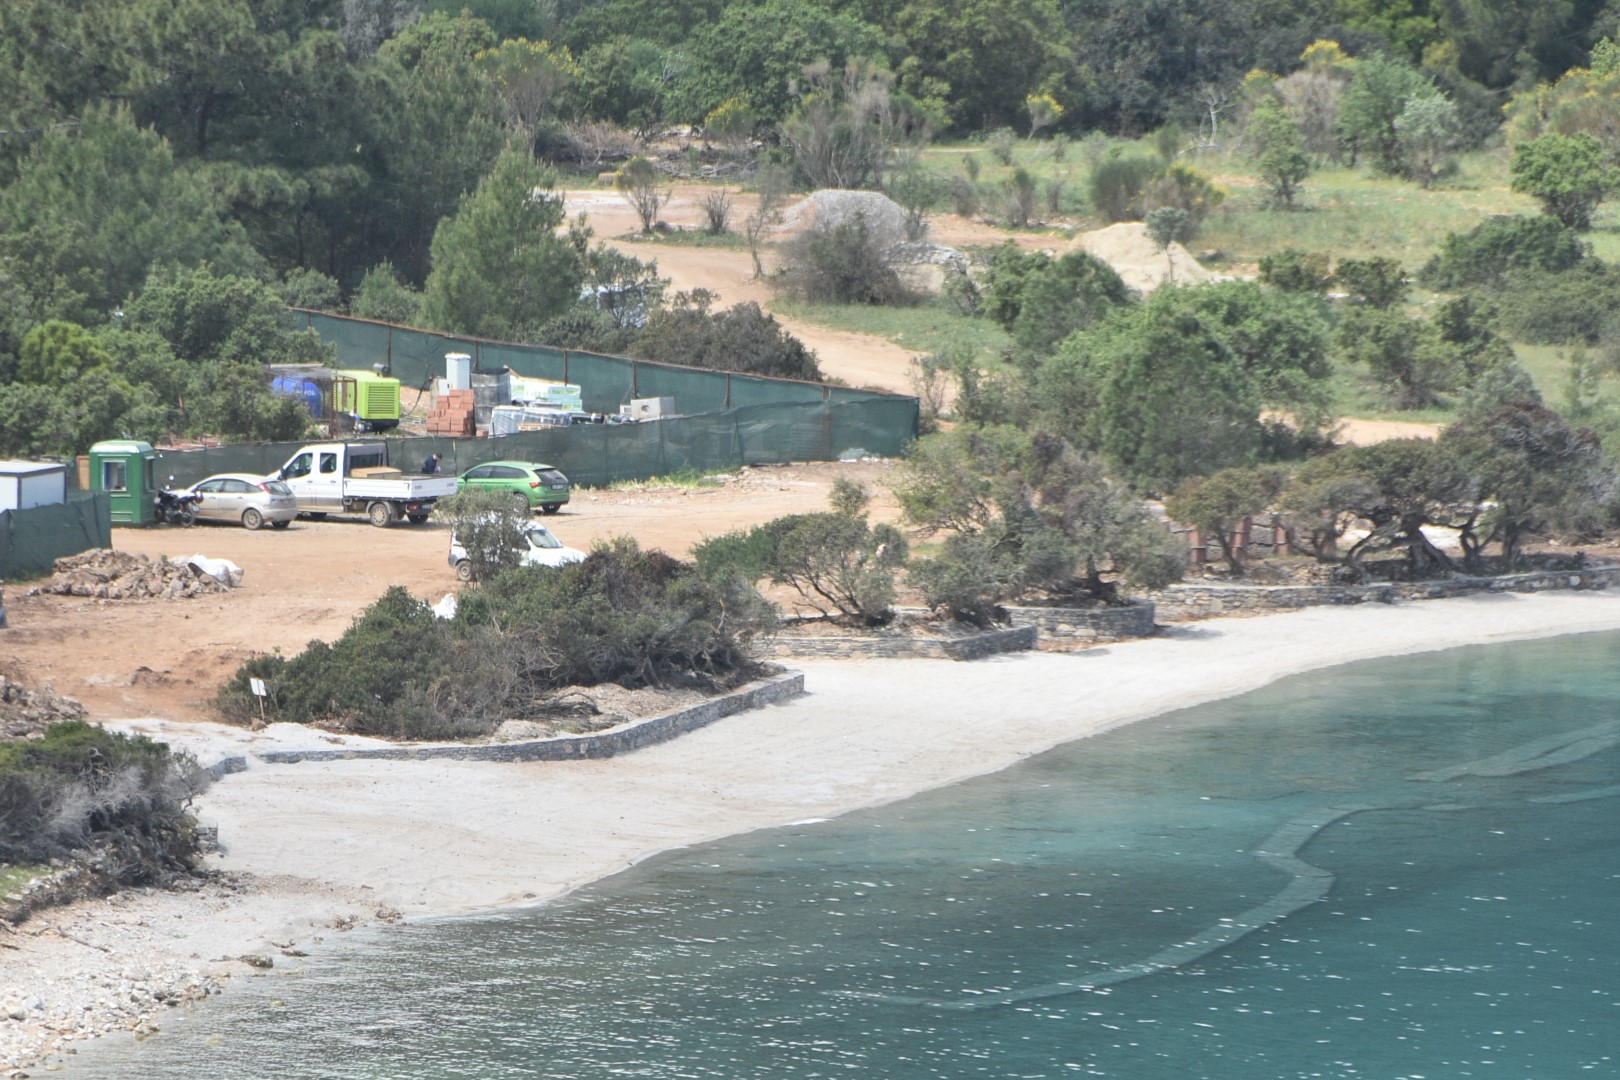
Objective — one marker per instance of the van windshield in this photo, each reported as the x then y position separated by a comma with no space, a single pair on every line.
541,538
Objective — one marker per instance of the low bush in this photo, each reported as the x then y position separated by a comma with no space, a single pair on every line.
837,562
117,804
1580,305
1500,246
844,263
743,338
622,616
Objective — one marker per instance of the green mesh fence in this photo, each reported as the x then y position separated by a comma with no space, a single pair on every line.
594,455
727,419
604,381
31,540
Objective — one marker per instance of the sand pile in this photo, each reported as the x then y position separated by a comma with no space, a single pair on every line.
1136,258
118,575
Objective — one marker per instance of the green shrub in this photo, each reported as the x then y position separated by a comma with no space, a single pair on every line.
742,337
1581,305
1119,182
1296,271
489,525
115,803
1495,249
836,561
623,615
844,263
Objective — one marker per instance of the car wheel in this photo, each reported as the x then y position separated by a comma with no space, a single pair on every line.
551,508
522,502
381,514
251,518
464,570
282,524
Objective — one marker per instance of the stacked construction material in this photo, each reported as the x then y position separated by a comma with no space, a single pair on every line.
453,415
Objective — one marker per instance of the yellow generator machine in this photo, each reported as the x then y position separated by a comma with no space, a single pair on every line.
369,399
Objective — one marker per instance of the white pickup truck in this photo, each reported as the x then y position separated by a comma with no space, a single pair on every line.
355,478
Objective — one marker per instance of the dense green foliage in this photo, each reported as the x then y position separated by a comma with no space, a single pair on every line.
114,803
1026,515
383,154
626,616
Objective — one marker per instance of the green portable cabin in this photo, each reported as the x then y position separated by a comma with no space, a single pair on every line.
371,399
127,471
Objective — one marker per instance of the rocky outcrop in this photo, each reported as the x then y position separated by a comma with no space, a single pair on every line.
25,712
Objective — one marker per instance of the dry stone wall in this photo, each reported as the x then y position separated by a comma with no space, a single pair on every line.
1199,600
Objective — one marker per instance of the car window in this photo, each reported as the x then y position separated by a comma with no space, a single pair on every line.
208,487
542,538
300,465
480,473
328,463
505,472
553,476
239,487
276,487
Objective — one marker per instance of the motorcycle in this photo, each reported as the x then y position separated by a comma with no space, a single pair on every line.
176,507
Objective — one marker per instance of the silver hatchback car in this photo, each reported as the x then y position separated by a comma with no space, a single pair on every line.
251,500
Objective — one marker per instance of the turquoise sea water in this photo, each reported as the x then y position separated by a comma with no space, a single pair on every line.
1395,869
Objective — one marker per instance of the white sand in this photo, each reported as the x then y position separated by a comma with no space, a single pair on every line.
325,842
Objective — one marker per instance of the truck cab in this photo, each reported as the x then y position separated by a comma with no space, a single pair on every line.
355,478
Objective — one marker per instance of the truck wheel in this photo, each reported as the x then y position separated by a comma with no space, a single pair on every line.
251,518
464,570
381,514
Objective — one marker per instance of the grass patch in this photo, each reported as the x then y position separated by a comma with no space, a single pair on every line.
930,327
685,478
1351,214
14,878
688,238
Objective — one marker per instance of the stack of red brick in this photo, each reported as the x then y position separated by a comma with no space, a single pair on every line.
453,415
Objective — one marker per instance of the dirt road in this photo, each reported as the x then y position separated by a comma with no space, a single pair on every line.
127,659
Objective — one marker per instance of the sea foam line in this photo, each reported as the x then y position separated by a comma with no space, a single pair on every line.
1543,753
1307,885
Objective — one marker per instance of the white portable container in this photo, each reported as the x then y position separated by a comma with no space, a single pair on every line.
458,370
26,484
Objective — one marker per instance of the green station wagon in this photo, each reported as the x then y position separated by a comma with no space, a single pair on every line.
539,485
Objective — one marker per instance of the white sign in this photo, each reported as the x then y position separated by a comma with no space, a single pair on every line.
258,687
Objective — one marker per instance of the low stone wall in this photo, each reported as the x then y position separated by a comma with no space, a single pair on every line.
894,647
1179,602
1133,619
602,744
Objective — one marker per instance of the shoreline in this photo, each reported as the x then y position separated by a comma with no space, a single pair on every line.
312,849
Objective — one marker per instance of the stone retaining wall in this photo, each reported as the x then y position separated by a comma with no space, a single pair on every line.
620,740
894,647
1184,601
1132,620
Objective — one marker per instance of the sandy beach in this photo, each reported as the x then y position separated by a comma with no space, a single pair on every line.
312,849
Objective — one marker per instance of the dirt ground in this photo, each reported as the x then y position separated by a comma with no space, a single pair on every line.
126,659
166,658
858,359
